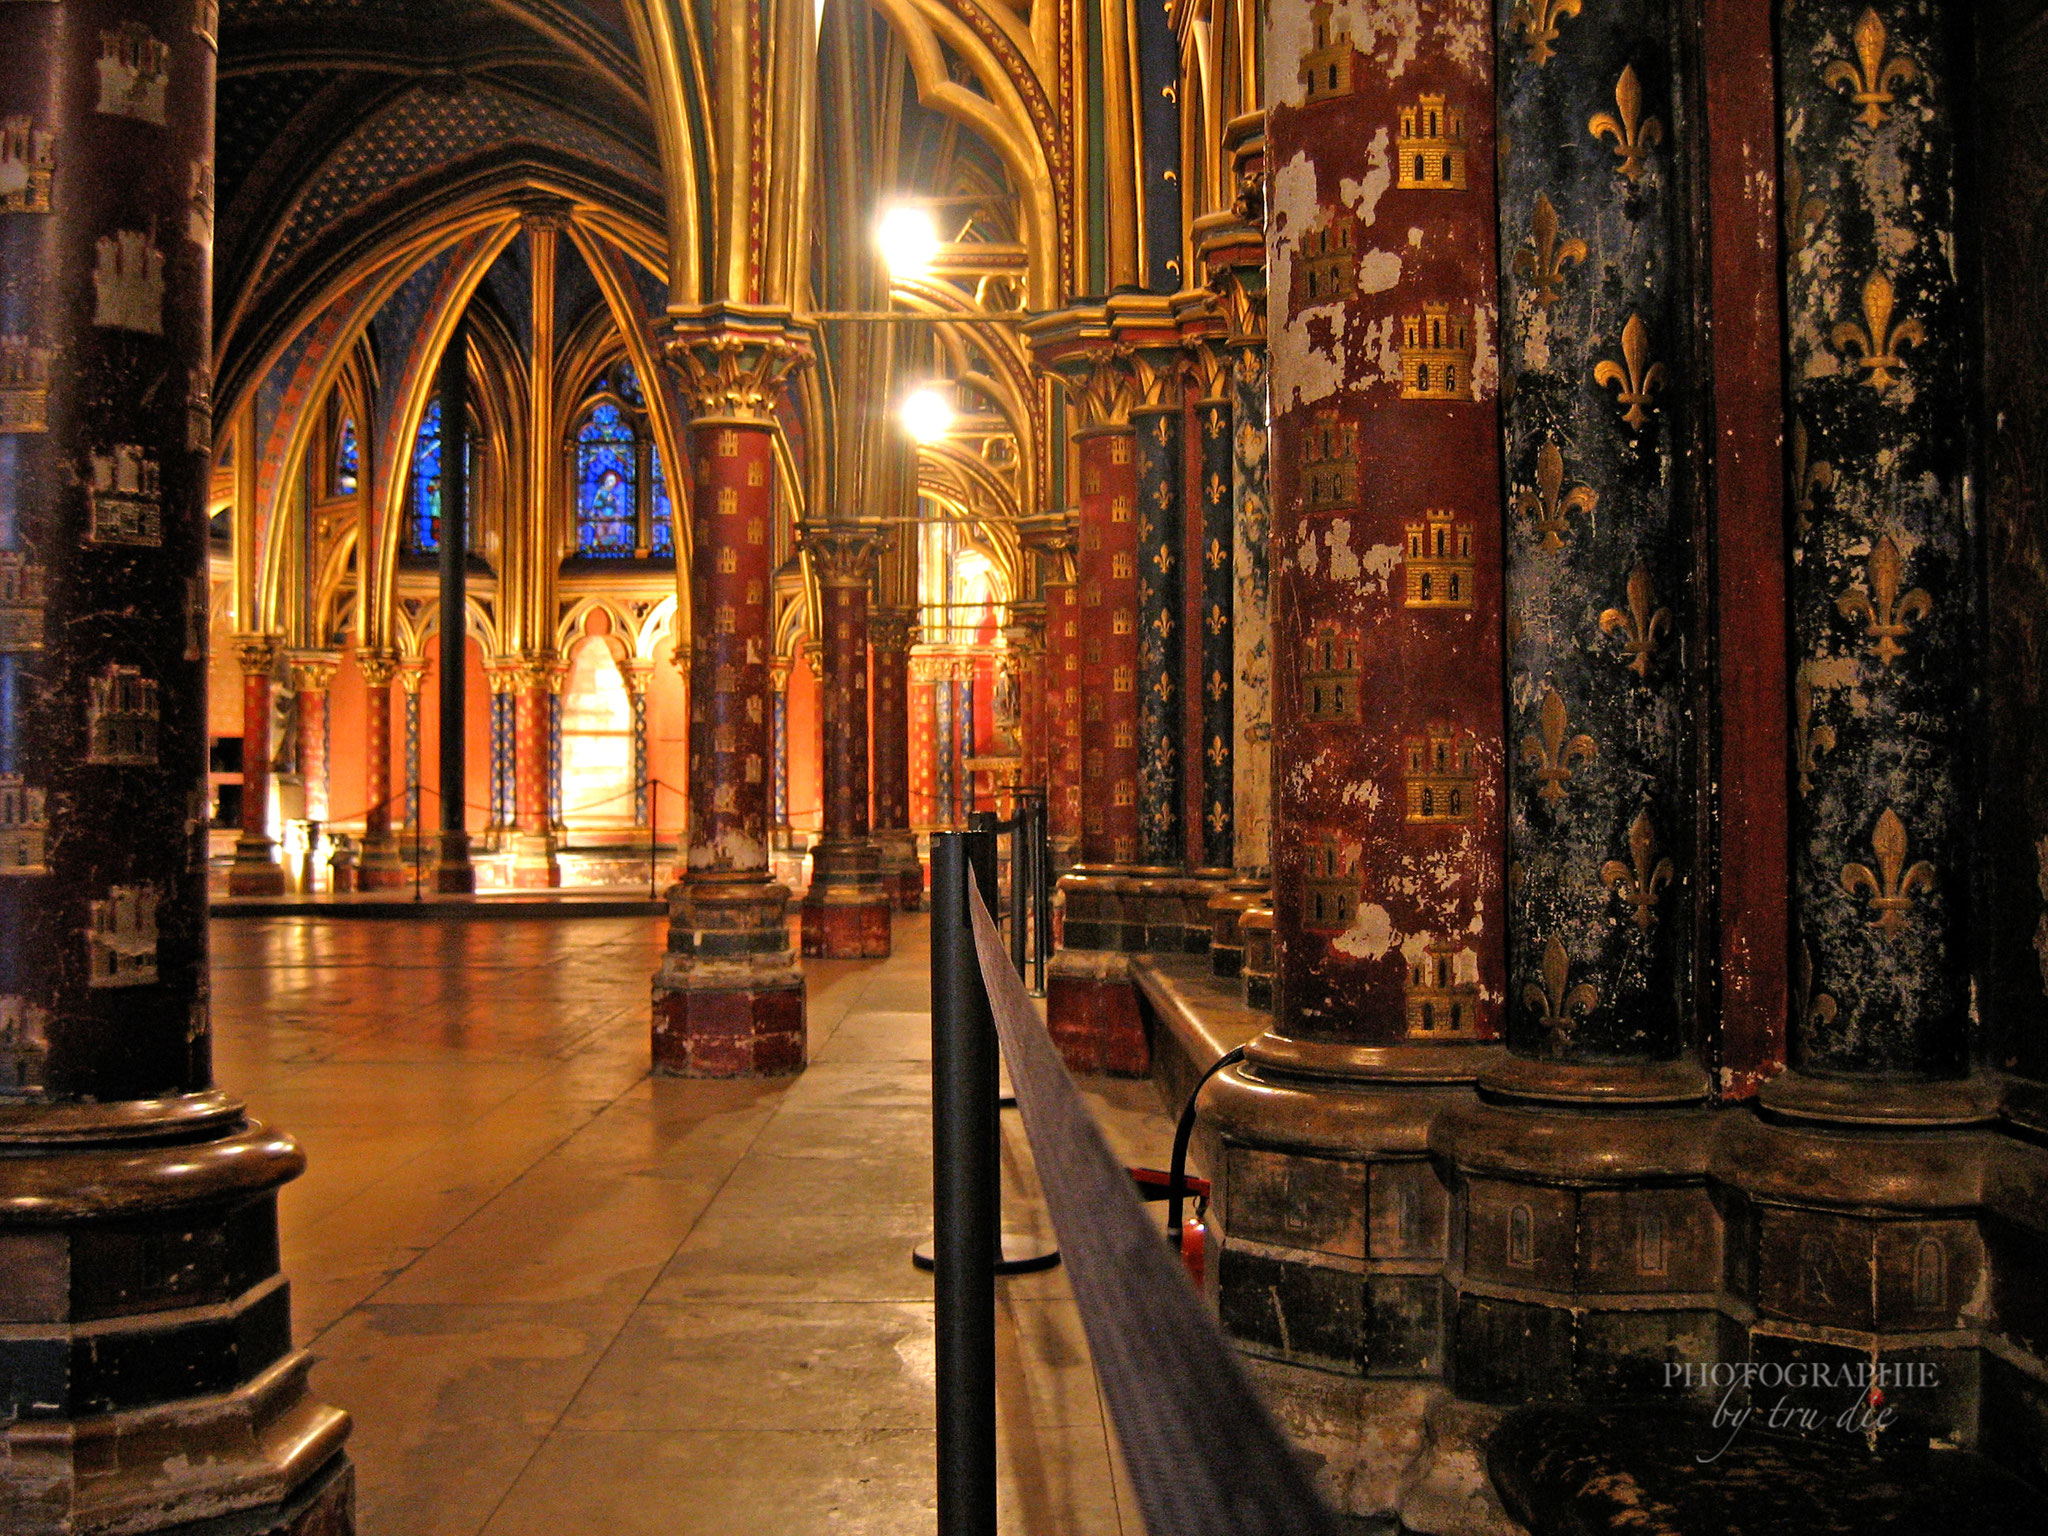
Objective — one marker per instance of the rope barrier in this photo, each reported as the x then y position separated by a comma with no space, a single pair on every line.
1204,1456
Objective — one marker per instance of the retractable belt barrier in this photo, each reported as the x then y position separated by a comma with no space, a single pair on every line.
1204,1456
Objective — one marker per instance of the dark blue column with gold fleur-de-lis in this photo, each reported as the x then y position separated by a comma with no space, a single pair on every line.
1162,842
1880,579
1595,421
1214,494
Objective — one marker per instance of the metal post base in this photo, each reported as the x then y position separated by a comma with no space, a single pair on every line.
1022,1254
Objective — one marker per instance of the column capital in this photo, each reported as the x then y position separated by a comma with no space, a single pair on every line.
541,214
1025,634
313,671
733,361
842,554
257,654
637,674
814,657
1053,537
778,673
378,667
892,629
535,670
412,672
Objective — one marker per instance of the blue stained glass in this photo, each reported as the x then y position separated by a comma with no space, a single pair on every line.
347,460
606,468
661,537
423,528
629,386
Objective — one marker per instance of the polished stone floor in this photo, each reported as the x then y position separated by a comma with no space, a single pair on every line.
561,1296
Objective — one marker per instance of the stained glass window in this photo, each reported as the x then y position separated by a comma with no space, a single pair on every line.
423,528
347,459
661,536
607,469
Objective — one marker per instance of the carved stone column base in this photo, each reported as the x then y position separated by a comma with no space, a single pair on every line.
1226,908
1092,1013
382,867
1094,899
846,910
454,874
902,872
256,870
1255,926
147,1378
535,866
729,999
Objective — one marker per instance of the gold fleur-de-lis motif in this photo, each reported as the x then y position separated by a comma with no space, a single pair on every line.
1545,257
1219,621
1212,424
1557,1004
1219,754
1538,20
1163,558
1877,341
1803,214
1887,614
1635,381
1218,687
1634,135
1810,740
1218,489
1643,623
1892,884
1219,818
1549,502
1161,432
1808,478
1553,755
1163,494
1217,554
1871,77
1144,529
1814,1008
1642,885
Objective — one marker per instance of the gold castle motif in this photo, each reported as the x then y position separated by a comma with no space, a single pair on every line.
28,160
1893,884
1555,752
1442,778
1330,675
1329,891
1326,69
1642,623
1329,463
1440,1005
23,591
121,943
1543,260
1440,563
1549,502
24,385
1326,260
1538,20
1436,355
1633,134
1872,76
1643,884
1877,341
24,827
1430,148
1888,614
122,717
1634,382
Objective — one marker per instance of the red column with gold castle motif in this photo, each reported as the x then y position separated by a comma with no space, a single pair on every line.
846,910
534,862
256,870
889,637
729,999
381,869
1052,536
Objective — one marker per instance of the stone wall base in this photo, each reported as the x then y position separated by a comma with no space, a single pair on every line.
1092,1013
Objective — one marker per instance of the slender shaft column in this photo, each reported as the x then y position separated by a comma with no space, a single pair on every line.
1881,588
382,869
637,675
729,1000
147,1376
1386,550
453,872
412,677
1156,893
889,639
925,742
256,870
312,679
535,865
1053,537
503,680
1024,635
846,909
778,747
1215,839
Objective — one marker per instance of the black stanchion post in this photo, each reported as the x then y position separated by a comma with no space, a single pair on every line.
964,1190
1043,840
1023,877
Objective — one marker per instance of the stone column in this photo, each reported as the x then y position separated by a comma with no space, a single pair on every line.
147,1376
729,1000
637,675
312,679
256,870
889,639
535,865
1024,635
503,680
454,874
846,910
382,869
1881,588
1052,536
1212,844
1155,904
778,736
